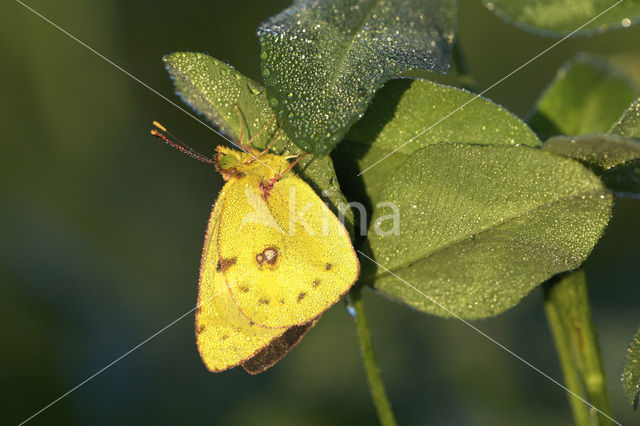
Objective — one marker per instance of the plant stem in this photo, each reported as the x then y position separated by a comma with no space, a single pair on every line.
465,79
569,316
571,374
379,395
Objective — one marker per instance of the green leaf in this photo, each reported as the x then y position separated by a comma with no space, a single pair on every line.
481,226
631,373
629,124
601,153
615,159
402,110
587,95
558,17
322,61
212,88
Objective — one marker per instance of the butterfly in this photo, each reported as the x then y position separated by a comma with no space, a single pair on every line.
274,259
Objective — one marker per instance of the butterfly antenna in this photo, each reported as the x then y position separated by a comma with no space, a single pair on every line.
178,144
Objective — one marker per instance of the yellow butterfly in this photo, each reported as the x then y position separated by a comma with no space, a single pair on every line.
274,259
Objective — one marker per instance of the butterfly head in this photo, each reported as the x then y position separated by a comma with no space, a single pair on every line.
237,164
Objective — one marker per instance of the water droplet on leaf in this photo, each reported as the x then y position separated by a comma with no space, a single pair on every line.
254,87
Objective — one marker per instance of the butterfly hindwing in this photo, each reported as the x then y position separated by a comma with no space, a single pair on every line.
278,348
225,337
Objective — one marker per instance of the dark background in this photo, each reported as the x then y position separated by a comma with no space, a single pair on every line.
102,226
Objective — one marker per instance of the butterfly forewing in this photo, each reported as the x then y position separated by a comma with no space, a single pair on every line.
286,257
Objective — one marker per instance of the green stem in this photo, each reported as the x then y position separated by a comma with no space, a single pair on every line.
465,79
569,316
571,374
379,395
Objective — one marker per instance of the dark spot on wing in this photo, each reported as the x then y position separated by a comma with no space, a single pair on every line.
198,309
224,337
243,288
200,328
316,283
327,266
269,256
263,301
301,296
225,264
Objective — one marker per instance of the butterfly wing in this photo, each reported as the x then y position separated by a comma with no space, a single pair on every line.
278,348
225,337
287,258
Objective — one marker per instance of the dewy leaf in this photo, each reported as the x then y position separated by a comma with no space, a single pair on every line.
600,153
323,60
557,17
615,159
587,95
403,109
212,88
629,124
480,226
631,373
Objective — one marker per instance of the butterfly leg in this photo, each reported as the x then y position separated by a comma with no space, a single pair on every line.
270,144
268,185
246,147
240,142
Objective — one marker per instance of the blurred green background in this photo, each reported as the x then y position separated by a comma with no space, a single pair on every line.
102,227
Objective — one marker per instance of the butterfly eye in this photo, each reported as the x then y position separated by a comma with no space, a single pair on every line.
228,161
